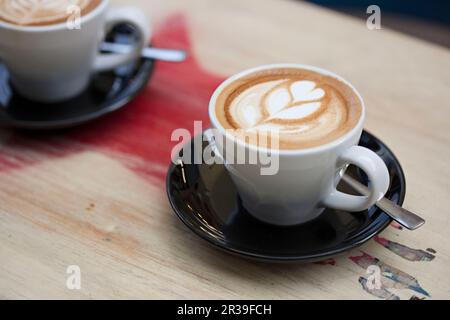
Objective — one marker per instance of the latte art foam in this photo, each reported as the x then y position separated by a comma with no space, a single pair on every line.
42,12
306,108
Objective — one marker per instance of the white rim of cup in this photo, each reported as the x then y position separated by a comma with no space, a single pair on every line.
56,26
286,152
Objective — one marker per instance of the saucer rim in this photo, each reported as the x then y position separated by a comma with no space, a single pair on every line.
373,229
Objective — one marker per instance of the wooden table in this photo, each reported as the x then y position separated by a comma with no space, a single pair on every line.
94,196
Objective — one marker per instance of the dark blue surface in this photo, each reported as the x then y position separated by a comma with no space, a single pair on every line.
433,10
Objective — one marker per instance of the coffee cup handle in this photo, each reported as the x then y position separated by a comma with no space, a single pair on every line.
376,171
119,15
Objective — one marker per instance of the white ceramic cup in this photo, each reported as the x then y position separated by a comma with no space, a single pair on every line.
306,181
51,63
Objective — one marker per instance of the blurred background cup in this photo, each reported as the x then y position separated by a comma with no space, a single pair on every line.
54,62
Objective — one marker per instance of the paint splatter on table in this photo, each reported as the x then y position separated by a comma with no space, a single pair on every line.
94,196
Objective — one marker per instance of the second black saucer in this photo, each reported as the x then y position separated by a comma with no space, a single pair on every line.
107,92
205,199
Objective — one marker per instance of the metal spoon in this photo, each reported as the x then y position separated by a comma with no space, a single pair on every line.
172,55
404,217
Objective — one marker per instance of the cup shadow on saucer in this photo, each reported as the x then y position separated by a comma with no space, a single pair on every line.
205,199
107,92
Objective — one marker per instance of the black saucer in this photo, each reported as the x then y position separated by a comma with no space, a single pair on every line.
205,199
107,92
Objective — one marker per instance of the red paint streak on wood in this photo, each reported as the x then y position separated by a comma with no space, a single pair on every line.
330,261
405,252
176,95
383,241
363,257
396,225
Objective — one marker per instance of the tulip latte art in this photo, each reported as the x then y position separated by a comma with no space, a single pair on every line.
306,108
43,12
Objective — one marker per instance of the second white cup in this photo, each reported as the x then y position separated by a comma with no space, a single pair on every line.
51,63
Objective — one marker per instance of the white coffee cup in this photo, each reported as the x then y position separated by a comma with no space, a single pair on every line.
53,62
306,181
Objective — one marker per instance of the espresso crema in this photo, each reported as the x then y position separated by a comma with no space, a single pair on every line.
306,108
43,12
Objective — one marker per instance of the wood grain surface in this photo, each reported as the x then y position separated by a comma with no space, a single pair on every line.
95,197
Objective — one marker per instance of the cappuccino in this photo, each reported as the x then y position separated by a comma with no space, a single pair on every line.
43,12
306,108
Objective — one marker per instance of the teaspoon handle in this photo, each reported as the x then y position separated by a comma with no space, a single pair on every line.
172,55
404,217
